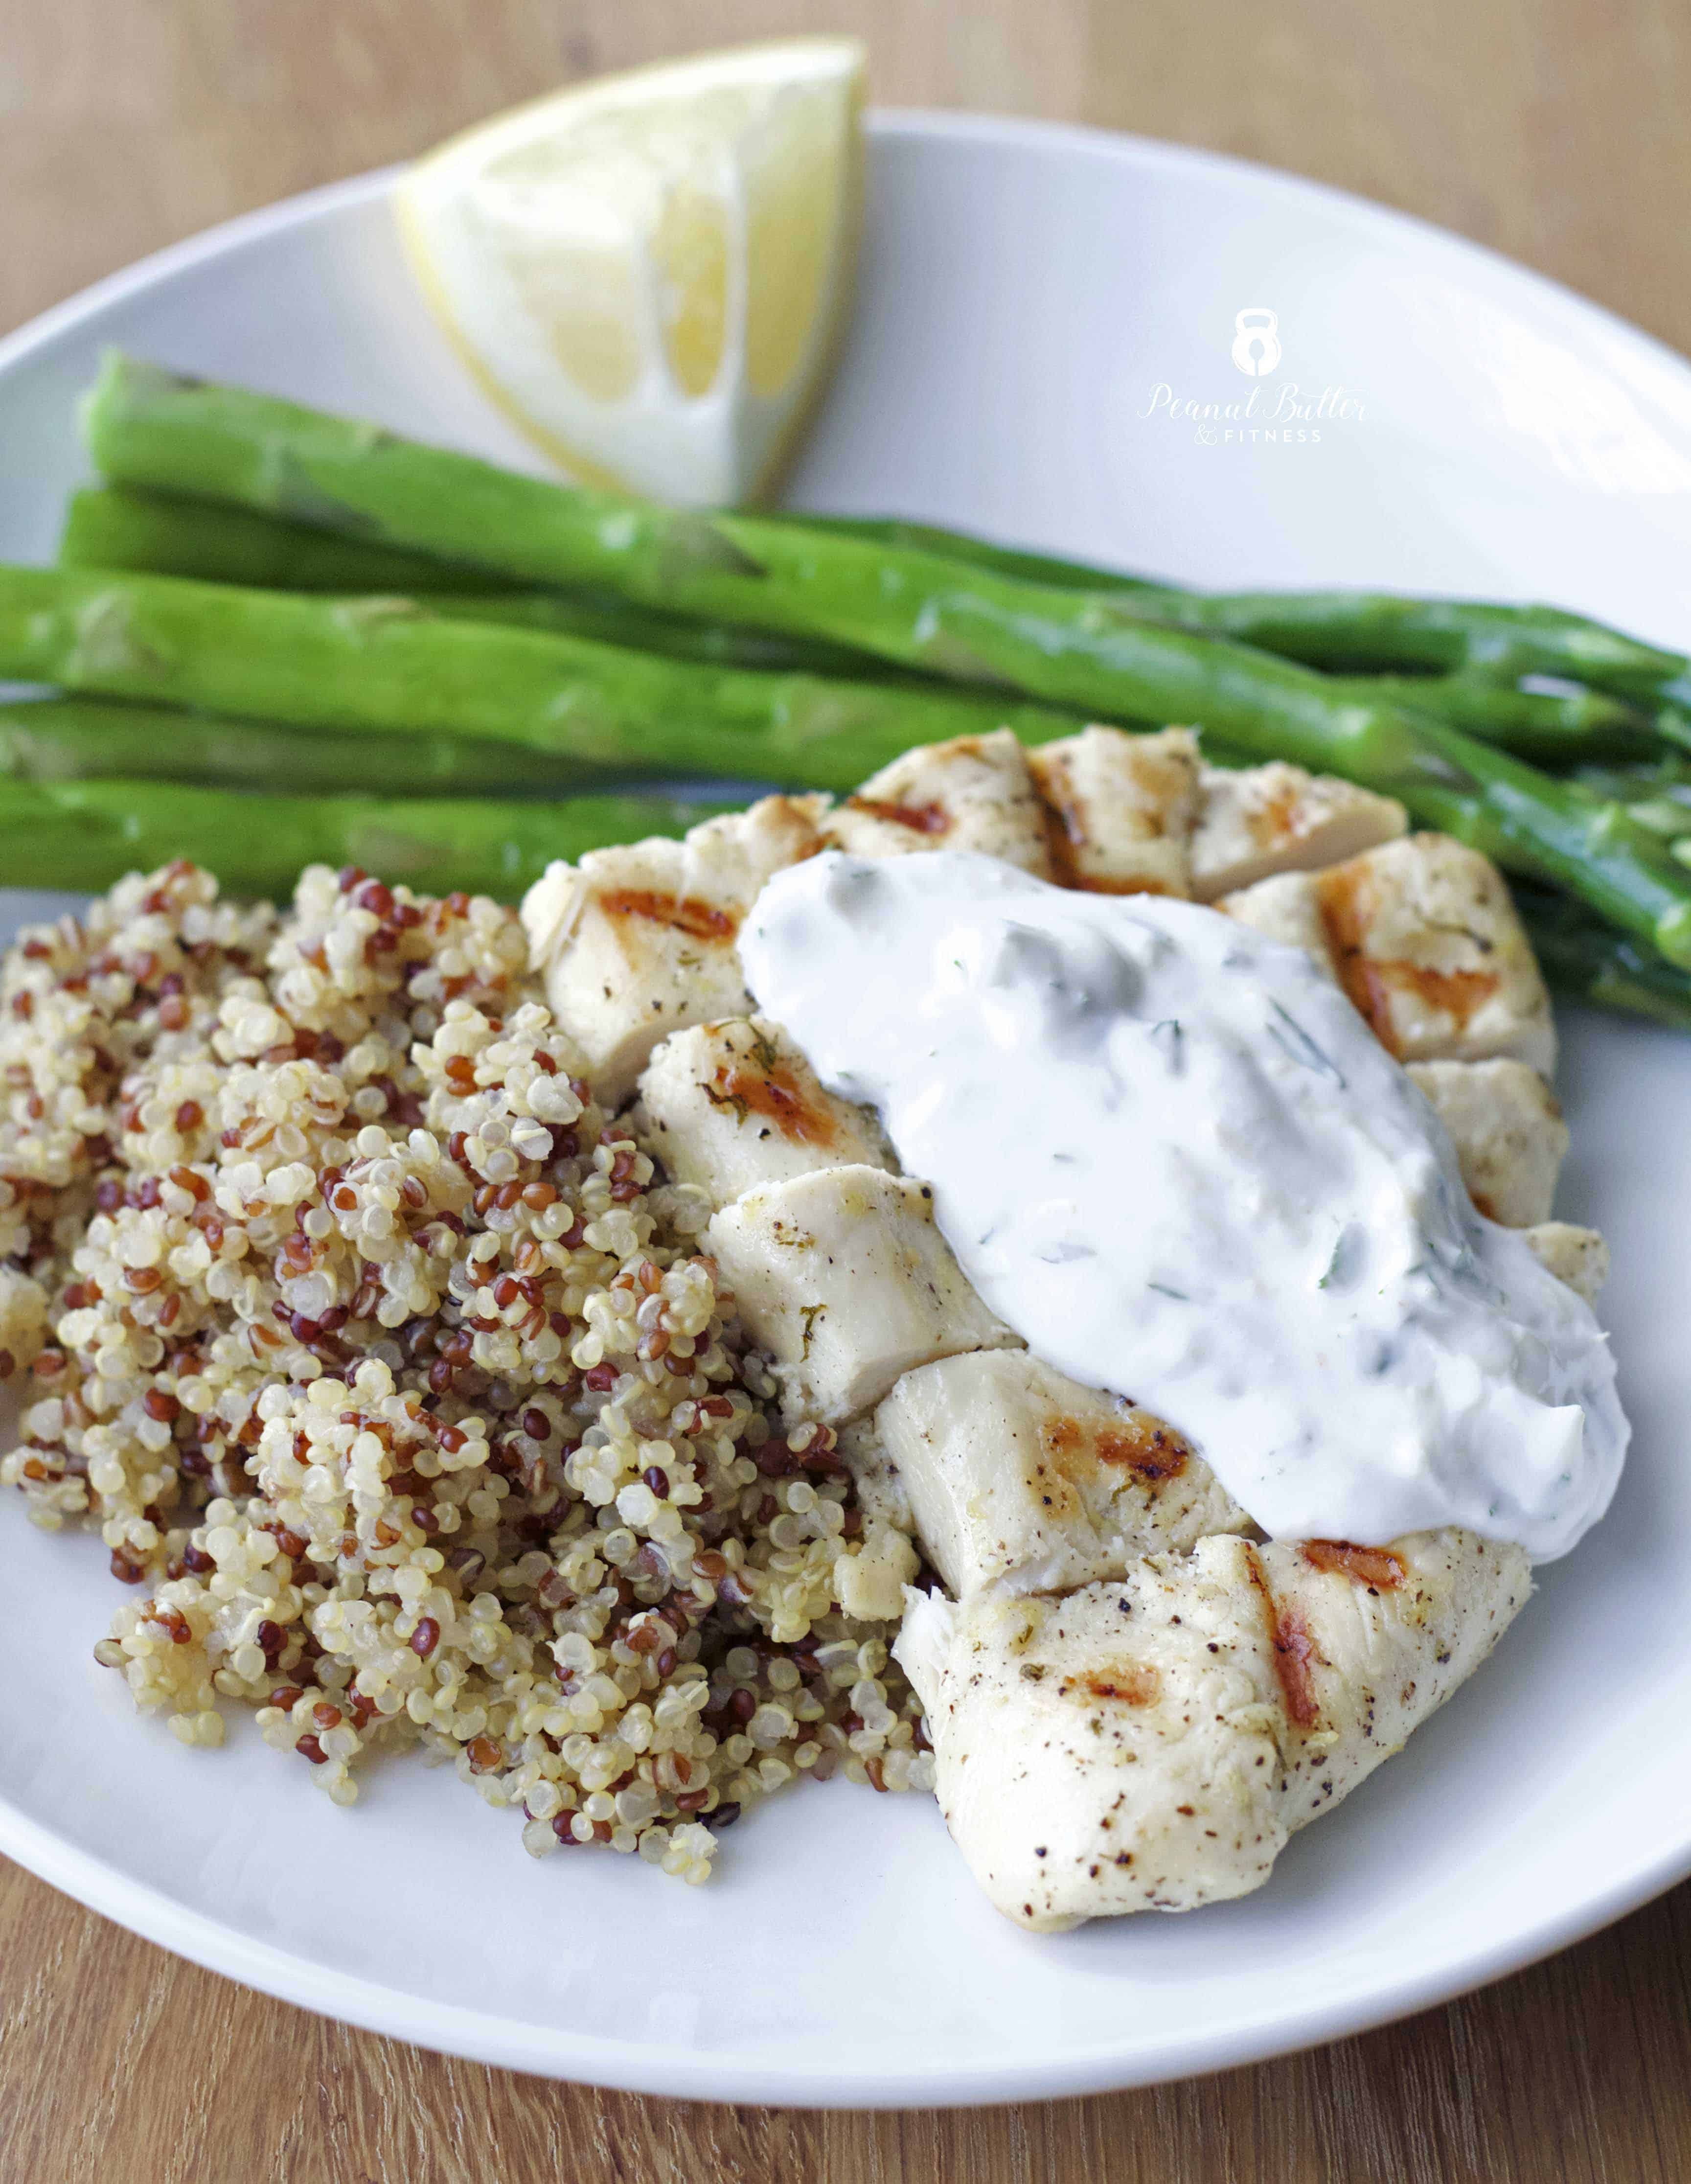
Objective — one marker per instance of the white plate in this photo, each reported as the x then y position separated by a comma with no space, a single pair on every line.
1026,291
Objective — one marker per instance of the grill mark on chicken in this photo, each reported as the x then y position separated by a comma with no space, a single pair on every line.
1065,835
1144,1446
1370,982
1295,1652
776,1093
1065,832
1275,821
1295,1655
920,818
699,921
1378,1567
1129,1683
1141,1443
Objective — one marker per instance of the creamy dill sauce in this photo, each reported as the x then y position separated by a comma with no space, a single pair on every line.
1172,1156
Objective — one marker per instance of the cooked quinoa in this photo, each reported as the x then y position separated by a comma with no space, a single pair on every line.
391,1373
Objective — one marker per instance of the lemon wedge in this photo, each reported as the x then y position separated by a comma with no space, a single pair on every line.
649,272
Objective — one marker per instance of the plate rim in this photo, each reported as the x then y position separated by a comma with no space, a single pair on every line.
748,2076
1119,147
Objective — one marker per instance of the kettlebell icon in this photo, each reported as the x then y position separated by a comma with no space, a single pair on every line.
1256,342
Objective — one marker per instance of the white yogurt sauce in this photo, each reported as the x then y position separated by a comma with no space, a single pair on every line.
1172,1156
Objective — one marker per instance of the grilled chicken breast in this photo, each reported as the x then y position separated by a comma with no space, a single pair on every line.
1133,1698
1148,1743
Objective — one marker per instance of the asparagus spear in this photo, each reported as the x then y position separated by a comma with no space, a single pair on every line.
1657,797
112,528
1586,960
607,619
1458,658
161,534
150,429
1581,728
154,429
1022,561
916,609
1669,775
86,835
389,666
91,738
1343,630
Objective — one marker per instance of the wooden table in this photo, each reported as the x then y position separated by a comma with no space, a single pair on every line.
1555,129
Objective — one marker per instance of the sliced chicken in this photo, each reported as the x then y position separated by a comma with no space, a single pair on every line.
1369,1640
638,940
1508,1131
1113,1750
1122,807
843,1277
1020,1478
1286,907
1426,942
727,1107
1277,818
973,792
1578,1256
1423,937
1150,1744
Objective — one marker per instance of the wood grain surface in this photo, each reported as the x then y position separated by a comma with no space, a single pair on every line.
1555,129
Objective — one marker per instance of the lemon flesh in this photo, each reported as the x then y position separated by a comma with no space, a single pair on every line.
649,273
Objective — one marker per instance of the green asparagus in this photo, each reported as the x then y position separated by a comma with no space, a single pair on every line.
1063,647
391,665
154,429
1656,797
1580,727
1344,632
607,619
91,739
804,578
86,835
161,534
1033,568
111,527
1348,631
1667,776
1584,959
